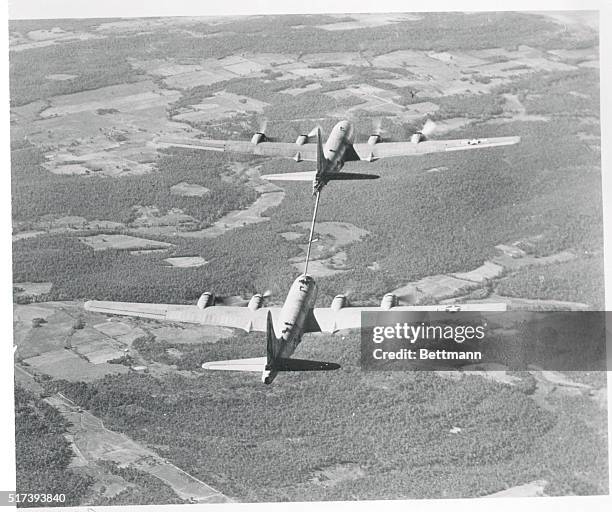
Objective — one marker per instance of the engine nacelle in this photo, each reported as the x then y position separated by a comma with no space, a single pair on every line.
374,139
417,137
206,299
301,140
256,302
339,302
388,301
258,137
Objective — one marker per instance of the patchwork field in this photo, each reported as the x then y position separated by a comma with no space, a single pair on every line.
105,131
356,21
41,38
62,364
186,261
55,340
122,98
31,289
123,243
189,189
221,105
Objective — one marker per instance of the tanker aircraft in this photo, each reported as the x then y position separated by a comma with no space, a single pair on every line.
284,326
339,149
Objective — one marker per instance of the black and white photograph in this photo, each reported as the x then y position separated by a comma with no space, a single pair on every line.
206,210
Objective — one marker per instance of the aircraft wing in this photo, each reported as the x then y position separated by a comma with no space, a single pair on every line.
281,149
329,320
222,316
389,149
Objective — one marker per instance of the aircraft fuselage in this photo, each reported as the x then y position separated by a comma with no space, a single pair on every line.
289,327
340,139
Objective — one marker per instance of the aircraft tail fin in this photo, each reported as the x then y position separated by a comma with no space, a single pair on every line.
273,344
320,155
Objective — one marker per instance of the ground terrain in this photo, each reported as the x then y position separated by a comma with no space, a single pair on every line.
100,211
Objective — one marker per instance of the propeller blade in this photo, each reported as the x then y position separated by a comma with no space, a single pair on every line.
263,125
377,126
428,128
313,132
347,296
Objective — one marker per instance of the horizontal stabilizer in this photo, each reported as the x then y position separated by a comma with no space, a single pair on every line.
258,364
302,365
254,364
291,176
350,176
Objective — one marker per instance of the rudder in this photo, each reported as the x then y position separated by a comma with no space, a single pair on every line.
272,342
320,155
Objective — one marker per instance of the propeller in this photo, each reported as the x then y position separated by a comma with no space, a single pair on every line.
348,293
313,132
303,138
428,128
261,135
263,125
377,131
377,126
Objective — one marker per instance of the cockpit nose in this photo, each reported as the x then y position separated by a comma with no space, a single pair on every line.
305,279
305,284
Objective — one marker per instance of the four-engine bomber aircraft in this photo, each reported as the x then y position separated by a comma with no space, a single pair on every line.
284,325
339,149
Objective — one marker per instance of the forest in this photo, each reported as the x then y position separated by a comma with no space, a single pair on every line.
548,186
37,192
145,489
266,443
578,281
43,454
